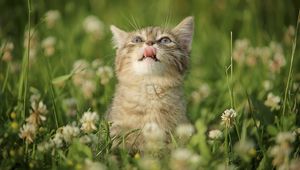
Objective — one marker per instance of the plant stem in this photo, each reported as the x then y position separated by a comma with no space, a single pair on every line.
27,61
226,147
6,78
236,129
52,92
230,83
290,71
26,151
260,142
231,72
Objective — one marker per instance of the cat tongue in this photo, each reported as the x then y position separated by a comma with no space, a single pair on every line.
149,51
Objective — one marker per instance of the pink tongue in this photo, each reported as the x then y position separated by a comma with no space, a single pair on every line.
149,51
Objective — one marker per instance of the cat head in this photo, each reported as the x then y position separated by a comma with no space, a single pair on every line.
153,52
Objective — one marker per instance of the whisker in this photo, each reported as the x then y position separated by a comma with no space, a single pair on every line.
135,22
130,23
167,20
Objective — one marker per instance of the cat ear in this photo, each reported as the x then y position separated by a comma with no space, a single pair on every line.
184,31
119,36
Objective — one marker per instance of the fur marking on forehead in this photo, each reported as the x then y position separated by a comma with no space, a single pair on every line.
183,33
154,33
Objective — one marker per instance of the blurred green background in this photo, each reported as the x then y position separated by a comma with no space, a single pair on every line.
257,20
260,22
263,33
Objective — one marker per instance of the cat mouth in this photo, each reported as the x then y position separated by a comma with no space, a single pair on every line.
151,57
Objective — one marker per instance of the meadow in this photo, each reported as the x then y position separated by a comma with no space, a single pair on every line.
57,80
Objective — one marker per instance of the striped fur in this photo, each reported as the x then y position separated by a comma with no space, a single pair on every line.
150,91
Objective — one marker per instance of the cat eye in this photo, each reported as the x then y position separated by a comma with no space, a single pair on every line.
137,39
165,40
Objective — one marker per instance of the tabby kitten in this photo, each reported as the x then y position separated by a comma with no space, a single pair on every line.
150,65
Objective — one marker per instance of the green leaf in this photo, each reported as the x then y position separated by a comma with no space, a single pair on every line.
61,79
264,164
199,139
272,130
79,152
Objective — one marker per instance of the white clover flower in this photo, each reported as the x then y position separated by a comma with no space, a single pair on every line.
152,131
85,139
295,164
154,137
201,93
92,25
70,105
48,45
240,49
89,121
277,63
279,154
88,88
52,17
289,35
283,148
275,47
33,39
15,67
105,73
181,154
195,159
252,55
291,30
242,44
245,149
278,59
215,134
97,63
297,131
28,132
265,53
7,56
149,163
6,49
296,86
37,114
228,117
183,158
7,46
267,84
57,140
195,96
35,97
83,77
81,72
272,101
224,166
285,137
34,44
45,146
184,130
80,65
69,132
41,107
90,165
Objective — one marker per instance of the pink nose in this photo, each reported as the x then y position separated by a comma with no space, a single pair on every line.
149,51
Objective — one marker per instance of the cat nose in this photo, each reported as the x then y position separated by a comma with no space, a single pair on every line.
149,51
150,42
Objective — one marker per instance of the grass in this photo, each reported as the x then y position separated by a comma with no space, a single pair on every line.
67,66
287,88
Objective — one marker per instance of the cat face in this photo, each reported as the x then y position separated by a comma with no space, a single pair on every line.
153,51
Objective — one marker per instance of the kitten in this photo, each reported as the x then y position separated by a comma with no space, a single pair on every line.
150,65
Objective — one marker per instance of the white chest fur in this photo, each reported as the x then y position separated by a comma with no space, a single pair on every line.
134,107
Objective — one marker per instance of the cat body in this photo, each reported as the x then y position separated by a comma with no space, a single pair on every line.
150,65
